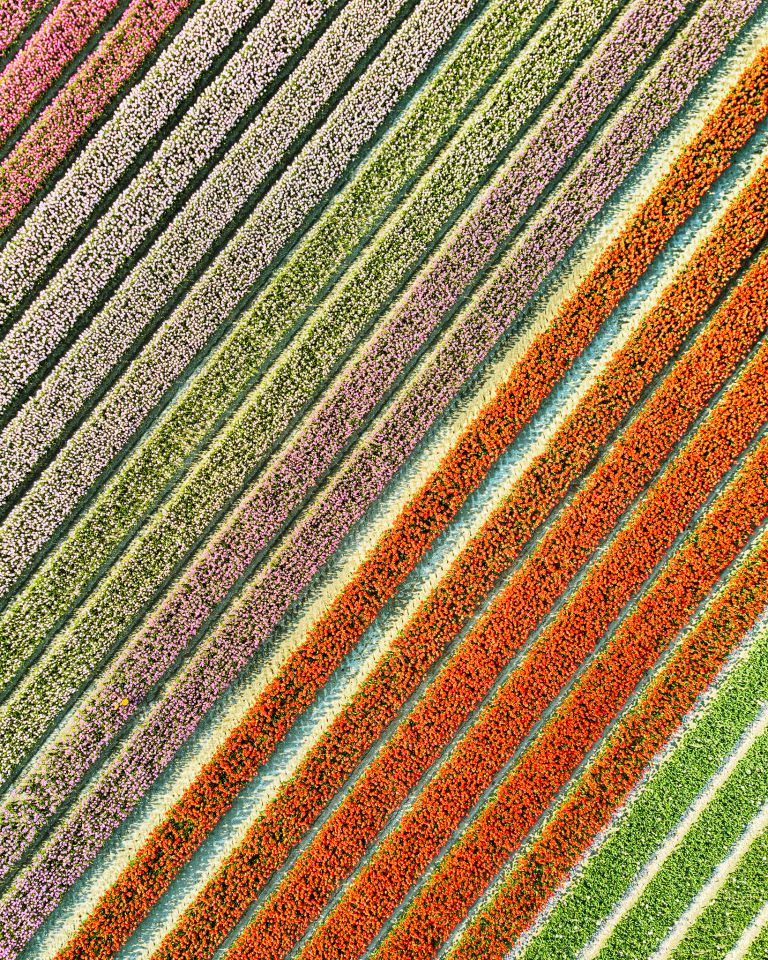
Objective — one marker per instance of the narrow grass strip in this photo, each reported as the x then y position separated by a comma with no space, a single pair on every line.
753,945
675,888
398,553
622,760
718,734
87,93
547,666
727,915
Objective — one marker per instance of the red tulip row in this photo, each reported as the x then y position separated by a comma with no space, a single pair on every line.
581,721
550,664
618,768
424,639
533,784
81,101
208,798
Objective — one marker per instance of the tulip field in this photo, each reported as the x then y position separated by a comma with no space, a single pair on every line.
384,479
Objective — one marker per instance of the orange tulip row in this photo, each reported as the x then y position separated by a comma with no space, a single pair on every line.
581,721
129,900
425,638
551,662
618,768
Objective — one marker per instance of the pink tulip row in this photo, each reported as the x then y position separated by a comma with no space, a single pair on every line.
67,207
64,121
15,16
42,59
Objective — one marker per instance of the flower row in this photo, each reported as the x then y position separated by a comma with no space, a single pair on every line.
256,336
36,66
186,609
289,294
549,665
420,645
15,15
532,785
264,328
242,446
443,495
712,732
46,324
68,207
64,121
631,746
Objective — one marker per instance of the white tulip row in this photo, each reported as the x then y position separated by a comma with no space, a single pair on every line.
186,240
208,304
153,191
141,115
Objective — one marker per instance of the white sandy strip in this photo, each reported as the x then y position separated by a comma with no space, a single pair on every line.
757,826
234,706
753,931
674,840
384,631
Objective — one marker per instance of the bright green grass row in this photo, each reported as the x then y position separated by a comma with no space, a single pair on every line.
689,867
725,919
652,816
758,949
